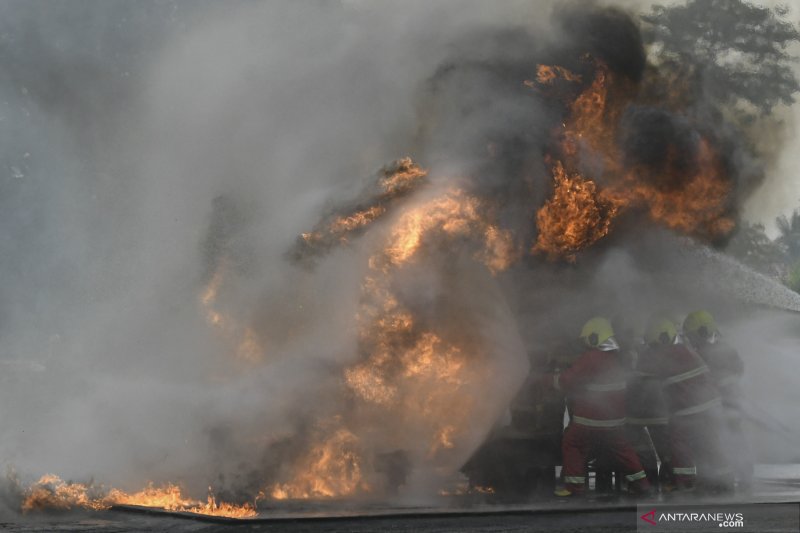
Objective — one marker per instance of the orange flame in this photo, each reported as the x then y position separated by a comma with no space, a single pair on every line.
404,178
51,492
546,74
332,468
575,217
581,212
407,371
464,488
454,214
344,225
699,206
399,179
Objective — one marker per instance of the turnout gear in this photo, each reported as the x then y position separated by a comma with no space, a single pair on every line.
582,442
726,369
646,421
693,404
725,365
595,387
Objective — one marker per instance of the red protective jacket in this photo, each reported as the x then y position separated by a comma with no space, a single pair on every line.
645,399
595,385
688,387
726,369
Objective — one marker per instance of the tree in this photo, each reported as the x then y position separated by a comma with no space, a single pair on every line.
789,228
793,278
754,248
739,50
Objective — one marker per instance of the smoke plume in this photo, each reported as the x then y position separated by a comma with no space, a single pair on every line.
219,269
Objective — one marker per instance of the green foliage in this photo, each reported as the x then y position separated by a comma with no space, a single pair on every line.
779,258
738,50
754,248
790,234
730,60
793,279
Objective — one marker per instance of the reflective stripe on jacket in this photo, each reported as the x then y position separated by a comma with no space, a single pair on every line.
595,386
687,384
645,400
726,369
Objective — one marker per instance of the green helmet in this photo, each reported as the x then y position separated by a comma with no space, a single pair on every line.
596,331
700,325
660,330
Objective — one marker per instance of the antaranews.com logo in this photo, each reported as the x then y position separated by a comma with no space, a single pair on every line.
724,520
719,517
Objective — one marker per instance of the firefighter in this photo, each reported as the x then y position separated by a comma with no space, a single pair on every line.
595,388
693,405
646,420
726,369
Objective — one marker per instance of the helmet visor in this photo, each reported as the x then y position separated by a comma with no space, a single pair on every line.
610,344
709,336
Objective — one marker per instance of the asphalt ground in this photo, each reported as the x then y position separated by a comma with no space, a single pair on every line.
618,515
558,520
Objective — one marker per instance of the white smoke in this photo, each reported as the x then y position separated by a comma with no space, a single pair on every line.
114,373
110,369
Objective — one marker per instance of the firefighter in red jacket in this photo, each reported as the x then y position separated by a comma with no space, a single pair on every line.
595,387
726,369
693,404
646,421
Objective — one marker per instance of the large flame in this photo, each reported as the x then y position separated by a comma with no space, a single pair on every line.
575,217
425,379
407,372
699,207
582,211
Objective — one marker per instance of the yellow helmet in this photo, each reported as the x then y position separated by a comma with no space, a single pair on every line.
700,324
660,330
596,331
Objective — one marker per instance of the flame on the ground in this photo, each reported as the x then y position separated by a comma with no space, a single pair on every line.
331,468
465,488
50,492
582,212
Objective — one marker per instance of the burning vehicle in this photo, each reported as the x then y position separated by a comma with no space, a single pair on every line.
382,341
